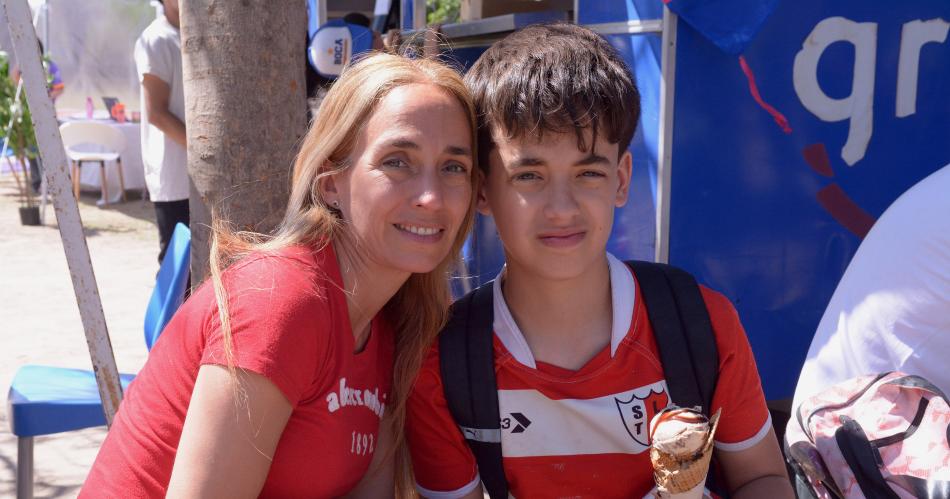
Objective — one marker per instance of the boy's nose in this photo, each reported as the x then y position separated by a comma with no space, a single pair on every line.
561,203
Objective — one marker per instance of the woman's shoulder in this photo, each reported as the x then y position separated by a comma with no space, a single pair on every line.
280,295
297,273
294,262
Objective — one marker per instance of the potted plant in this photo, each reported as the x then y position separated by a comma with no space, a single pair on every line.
17,133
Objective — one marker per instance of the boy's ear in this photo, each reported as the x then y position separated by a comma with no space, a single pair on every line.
624,172
481,200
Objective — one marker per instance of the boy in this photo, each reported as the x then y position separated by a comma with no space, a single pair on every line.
572,340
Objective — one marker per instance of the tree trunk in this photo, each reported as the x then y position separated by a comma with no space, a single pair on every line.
245,109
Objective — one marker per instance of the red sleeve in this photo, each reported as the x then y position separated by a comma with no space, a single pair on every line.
441,459
745,418
281,324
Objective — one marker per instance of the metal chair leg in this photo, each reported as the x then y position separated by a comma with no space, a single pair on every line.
43,201
103,183
24,468
77,165
118,164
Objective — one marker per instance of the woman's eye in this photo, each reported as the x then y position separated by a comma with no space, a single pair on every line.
395,163
526,176
456,168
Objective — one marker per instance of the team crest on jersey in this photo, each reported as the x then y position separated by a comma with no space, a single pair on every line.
639,409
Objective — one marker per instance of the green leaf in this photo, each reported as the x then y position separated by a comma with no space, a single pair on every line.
442,11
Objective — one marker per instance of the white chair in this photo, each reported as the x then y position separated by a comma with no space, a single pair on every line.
109,142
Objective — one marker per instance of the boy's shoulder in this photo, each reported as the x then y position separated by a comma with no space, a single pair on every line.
725,321
716,302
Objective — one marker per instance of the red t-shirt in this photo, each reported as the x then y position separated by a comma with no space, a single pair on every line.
290,324
581,433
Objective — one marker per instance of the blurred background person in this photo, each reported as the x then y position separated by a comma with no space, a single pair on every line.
891,309
158,64
55,87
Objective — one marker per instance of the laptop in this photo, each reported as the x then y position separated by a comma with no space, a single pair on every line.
110,102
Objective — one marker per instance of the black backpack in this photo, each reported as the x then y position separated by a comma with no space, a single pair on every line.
682,329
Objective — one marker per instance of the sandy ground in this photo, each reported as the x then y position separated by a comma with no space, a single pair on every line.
39,319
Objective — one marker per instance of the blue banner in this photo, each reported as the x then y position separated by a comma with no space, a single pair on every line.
770,218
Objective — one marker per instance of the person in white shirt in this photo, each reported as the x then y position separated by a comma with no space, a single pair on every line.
158,63
891,309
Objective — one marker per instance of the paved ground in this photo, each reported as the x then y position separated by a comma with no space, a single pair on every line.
39,319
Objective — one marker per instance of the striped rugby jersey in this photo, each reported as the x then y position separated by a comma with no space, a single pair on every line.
581,433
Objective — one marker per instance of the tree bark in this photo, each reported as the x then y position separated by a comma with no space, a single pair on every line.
245,111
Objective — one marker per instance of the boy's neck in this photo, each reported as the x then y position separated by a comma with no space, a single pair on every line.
565,322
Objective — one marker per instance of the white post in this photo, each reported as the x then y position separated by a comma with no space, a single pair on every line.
45,10
665,145
53,153
418,14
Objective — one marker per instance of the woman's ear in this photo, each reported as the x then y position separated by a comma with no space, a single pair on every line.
327,187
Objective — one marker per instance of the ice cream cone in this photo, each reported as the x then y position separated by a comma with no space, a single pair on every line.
679,477
679,469
696,492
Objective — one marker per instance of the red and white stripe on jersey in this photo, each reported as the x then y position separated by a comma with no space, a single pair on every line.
594,425
581,433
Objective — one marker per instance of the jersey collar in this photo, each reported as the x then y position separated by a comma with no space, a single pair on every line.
622,292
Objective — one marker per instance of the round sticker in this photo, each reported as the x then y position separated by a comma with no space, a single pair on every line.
335,44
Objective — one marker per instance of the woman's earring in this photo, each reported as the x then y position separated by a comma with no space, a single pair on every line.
336,205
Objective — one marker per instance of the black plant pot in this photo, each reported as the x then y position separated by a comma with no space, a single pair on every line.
30,215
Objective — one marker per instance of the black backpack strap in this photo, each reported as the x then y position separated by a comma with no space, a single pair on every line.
683,332
862,458
684,337
467,363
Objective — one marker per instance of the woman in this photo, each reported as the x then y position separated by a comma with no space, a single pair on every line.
273,381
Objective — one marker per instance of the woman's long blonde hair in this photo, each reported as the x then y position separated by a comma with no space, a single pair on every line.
418,310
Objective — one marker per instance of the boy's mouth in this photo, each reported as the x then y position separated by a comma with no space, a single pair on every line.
562,239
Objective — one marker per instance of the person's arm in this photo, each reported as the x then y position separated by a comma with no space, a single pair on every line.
442,462
55,90
478,493
746,447
758,471
230,435
156,94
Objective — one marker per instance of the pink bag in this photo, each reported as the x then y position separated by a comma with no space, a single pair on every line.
885,435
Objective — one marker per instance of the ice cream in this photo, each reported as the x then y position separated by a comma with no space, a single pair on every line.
681,447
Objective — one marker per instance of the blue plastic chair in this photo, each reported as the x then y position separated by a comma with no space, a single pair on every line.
170,285
44,400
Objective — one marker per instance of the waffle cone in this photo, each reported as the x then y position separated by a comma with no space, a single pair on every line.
678,474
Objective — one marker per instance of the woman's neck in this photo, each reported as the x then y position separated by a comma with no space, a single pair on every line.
368,286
